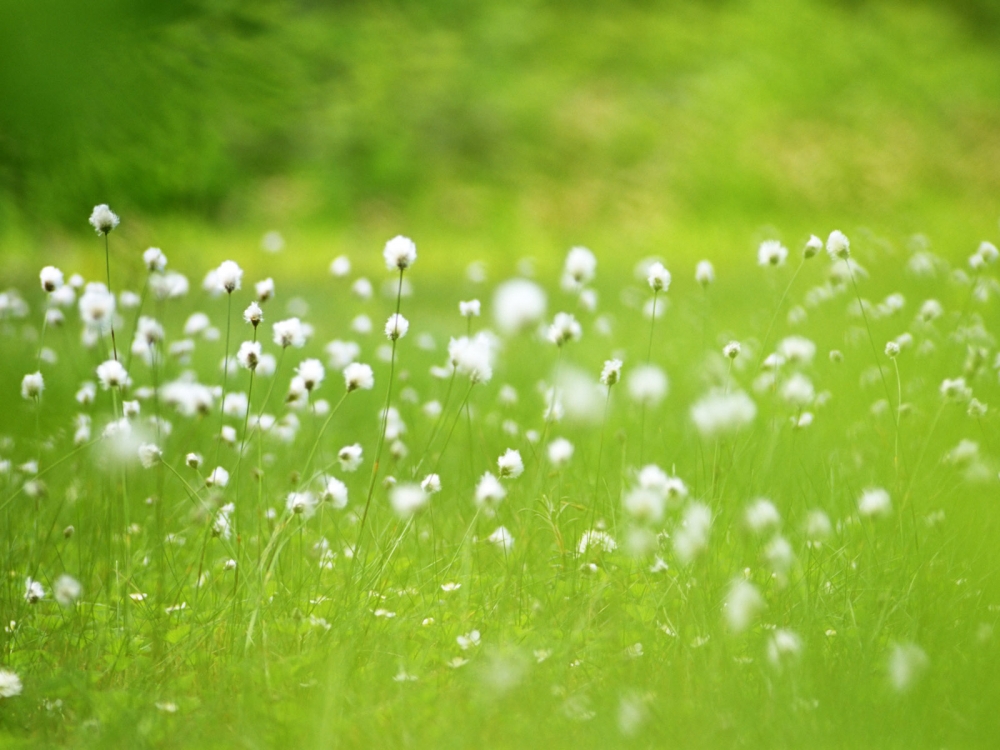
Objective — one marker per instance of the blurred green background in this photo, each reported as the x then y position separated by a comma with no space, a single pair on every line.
501,126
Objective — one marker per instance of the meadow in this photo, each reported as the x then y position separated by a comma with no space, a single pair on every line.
738,501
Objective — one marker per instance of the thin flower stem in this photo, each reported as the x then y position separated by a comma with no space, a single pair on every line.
871,340
107,265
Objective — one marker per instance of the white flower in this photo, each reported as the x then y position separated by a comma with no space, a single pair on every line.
253,314
797,349
10,684
644,504
599,540
289,332
229,276
518,305
955,389
502,538
357,375
103,219
399,253
732,349
691,538
350,457
340,266
97,306
784,646
465,642
66,590
704,273
33,591
761,516
743,603
249,354
718,414
342,353
301,503
155,260
431,484
647,384
580,268
407,499
264,289
771,253
218,478
489,491
892,350
612,372
149,455
469,309
510,465
312,373
335,492
473,356
32,386
193,460
396,327
564,328
874,502
560,452
112,374
813,246
798,391
51,279
907,662
838,246
817,526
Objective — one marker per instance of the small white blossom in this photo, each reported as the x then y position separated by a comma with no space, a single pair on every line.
112,374
149,455
249,355
396,327
771,253
510,465
264,289
32,386
560,452
489,491
470,309
612,372
357,375
399,253
350,457
290,332
51,279
66,590
838,246
103,219
564,328
229,276
874,502
431,484
704,273
407,499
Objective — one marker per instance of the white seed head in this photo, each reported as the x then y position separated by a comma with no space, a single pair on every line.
103,219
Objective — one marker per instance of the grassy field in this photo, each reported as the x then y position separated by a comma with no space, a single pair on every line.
641,595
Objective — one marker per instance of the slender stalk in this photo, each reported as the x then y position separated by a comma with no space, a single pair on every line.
107,266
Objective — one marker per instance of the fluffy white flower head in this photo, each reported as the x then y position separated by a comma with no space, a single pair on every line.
155,260
229,276
658,277
564,328
838,246
358,375
112,374
400,252
612,372
103,219
771,253
510,465
396,327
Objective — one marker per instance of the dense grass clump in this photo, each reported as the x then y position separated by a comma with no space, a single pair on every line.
749,503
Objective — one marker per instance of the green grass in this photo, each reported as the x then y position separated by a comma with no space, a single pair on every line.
925,575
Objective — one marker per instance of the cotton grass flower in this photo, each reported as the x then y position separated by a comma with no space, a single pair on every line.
301,504
874,502
350,457
51,279
470,309
658,277
743,603
579,269
149,455
311,372
253,314
473,356
249,355
647,384
906,664
229,276
289,332
502,538
644,504
400,253
564,329
838,246
518,305
32,386
489,491
396,327
431,484
783,648
612,372
264,289
771,253
103,219
34,592
691,538
66,590
218,478
10,684
406,499
704,274
560,451
813,246
358,376
112,374
510,465
719,414
761,516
